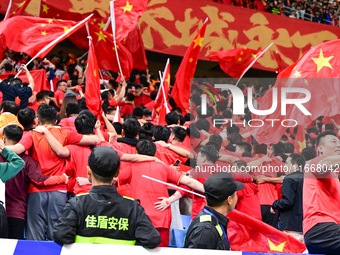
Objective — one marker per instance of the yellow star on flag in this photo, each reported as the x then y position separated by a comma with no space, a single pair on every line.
198,41
45,8
13,12
241,53
43,25
254,55
239,59
168,79
50,21
95,73
274,247
101,36
115,48
321,61
21,4
127,7
66,29
302,145
191,59
306,82
101,25
43,33
297,74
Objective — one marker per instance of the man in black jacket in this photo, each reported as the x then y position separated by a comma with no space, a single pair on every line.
290,205
102,215
209,228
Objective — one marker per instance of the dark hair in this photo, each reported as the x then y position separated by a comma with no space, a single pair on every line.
130,97
210,153
72,108
245,146
147,112
308,153
146,147
146,131
329,127
172,118
26,117
217,139
289,148
312,130
105,95
218,117
85,122
138,112
13,132
118,127
232,129
47,114
234,138
131,127
203,124
189,117
10,106
42,95
227,114
153,95
60,81
161,133
179,133
278,148
177,110
240,163
297,159
259,148
196,98
214,144
323,134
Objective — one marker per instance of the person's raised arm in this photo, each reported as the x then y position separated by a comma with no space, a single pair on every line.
56,146
110,128
119,97
31,83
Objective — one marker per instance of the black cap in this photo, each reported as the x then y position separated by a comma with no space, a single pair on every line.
220,186
104,161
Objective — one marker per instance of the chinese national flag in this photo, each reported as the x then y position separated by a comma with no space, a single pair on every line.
181,90
317,71
92,83
247,234
300,139
234,62
105,52
36,35
134,43
18,8
127,14
162,96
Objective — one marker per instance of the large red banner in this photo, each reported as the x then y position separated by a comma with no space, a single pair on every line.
168,26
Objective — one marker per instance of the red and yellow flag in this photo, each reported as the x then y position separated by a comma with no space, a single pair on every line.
182,87
18,8
300,139
162,96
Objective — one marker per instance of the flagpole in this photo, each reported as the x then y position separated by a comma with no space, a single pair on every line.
172,185
56,40
163,92
252,63
8,9
113,24
39,8
107,24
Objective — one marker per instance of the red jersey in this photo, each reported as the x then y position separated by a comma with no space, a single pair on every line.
126,109
67,123
39,148
148,191
321,197
36,105
59,95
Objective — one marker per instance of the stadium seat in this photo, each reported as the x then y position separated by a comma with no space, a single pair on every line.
179,236
186,219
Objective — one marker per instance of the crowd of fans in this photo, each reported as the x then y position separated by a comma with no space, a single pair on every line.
324,12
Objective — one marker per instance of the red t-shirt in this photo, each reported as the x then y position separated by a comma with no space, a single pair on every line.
321,197
126,109
59,95
68,123
113,102
78,160
39,148
150,105
148,191
168,156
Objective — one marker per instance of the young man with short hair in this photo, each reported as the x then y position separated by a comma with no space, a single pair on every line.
102,215
59,95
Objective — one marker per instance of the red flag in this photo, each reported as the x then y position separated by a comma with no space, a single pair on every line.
234,62
181,90
117,117
105,50
247,234
39,77
314,72
126,16
300,139
278,61
36,35
92,83
134,43
18,8
162,96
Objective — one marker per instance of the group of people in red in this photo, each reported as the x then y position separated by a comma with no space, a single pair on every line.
56,136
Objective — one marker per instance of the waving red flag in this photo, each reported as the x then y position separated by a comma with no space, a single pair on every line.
36,35
247,234
18,8
92,84
315,73
134,43
234,62
127,14
162,96
300,139
181,90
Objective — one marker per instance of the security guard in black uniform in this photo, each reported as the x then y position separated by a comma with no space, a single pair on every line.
209,229
102,215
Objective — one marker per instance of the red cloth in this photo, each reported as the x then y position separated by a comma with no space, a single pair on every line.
59,95
18,7
67,124
168,156
41,151
20,30
92,84
134,43
251,235
148,191
321,196
164,233
126,109
234,62
181,89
